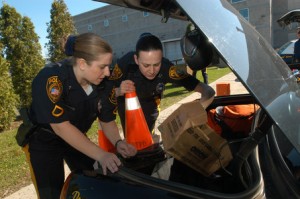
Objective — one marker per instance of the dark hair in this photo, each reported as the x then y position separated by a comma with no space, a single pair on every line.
147,43
87,46
145,34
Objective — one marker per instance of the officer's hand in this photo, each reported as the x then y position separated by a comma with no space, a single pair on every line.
109,161
126,86
125,149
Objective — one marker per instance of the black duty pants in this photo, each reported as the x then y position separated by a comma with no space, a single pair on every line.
47,154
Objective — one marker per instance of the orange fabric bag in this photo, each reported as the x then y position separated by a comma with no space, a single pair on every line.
211,121
237,117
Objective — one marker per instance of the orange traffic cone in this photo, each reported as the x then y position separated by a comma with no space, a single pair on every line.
223,88
136,129
103,142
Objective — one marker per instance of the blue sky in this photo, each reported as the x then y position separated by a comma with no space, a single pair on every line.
39,12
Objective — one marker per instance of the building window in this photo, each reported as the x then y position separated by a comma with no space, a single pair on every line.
245,13
90,27
106,23
237,1
145,14
124,18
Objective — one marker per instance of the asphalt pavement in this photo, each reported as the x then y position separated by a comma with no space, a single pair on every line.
236,87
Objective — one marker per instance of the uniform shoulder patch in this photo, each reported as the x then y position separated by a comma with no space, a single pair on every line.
54,88
116,73
177,73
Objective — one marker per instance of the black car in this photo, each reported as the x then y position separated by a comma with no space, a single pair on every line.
266,160
286,51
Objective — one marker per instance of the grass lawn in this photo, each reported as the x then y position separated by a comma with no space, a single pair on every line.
14,171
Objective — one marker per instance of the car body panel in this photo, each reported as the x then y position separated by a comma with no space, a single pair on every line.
85,186
275,166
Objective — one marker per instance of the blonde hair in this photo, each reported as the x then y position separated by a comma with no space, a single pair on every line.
87,46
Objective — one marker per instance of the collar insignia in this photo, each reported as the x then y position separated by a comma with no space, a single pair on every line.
57,111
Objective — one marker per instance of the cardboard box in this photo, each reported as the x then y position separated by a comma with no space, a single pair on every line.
187,137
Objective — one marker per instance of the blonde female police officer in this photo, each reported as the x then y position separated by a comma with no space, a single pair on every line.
66,99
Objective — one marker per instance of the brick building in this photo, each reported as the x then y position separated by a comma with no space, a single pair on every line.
121,27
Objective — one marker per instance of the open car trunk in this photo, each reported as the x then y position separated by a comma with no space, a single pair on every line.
240,179
290,17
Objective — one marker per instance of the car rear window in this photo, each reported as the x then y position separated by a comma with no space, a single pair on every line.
287,48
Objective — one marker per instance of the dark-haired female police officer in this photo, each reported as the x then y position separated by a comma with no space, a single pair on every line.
147,72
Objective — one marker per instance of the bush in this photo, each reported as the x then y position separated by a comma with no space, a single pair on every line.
8,99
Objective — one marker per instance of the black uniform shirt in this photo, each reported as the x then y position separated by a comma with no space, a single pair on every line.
149,92
58,97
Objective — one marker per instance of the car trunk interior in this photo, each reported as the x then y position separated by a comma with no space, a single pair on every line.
240,176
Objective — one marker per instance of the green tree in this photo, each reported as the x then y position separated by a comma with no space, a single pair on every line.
61,25
28,62
22,50
8,99
10,22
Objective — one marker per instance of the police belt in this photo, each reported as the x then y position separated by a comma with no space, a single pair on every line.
45,128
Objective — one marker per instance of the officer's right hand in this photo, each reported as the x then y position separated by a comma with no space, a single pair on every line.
126,86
